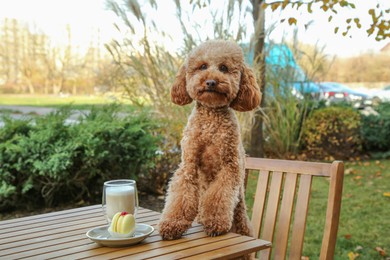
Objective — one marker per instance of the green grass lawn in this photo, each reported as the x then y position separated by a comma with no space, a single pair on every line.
365,212
79,102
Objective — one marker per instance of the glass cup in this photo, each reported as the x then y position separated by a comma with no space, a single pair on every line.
119,196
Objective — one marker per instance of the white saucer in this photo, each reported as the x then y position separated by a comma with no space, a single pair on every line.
101,236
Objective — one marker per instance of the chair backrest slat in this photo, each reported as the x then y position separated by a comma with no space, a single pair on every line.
333,209
272,211
286,209
259,201
312,168
301,209
273,215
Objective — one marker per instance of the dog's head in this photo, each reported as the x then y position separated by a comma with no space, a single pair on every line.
215,75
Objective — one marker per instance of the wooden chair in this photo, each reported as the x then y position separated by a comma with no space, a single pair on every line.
282,176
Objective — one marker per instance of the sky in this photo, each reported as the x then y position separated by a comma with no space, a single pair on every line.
87,17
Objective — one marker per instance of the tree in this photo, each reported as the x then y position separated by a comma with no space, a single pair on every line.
258,13
379,16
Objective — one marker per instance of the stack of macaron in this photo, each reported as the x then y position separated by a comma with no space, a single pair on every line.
122,225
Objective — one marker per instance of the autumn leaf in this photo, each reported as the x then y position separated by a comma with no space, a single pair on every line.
350,171
343,3
386,194
380,251
357,21
352,255
371,12
371,30
275,6
358,248
309,8
292,20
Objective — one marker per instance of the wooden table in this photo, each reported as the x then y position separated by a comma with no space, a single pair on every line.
62,235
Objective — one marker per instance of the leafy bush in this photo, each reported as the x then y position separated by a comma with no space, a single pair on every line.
332,132
375,130
48,161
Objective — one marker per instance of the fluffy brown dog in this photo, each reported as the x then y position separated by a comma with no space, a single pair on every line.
209,184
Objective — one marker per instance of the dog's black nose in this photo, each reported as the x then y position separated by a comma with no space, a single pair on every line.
211,83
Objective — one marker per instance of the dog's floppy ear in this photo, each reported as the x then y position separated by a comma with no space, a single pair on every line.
179,93
249,95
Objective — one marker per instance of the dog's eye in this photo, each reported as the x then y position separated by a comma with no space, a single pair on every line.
223,68
203,67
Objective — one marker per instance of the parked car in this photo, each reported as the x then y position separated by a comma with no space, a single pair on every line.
331,94
381,95
356,98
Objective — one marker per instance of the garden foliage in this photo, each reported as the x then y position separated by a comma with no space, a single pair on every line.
333,132
48,161
375,130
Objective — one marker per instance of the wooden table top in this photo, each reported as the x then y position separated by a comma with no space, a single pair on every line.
62,234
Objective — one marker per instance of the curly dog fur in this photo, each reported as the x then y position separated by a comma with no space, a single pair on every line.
209,184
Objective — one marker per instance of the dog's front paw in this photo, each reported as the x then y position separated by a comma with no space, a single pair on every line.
173,229
216,227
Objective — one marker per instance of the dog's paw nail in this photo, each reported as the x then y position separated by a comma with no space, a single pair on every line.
215,234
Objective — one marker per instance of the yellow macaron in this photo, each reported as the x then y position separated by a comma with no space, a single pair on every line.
123,223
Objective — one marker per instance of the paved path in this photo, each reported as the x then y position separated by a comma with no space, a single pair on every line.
28,109
19,112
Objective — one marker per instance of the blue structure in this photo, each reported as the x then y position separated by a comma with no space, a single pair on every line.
280,57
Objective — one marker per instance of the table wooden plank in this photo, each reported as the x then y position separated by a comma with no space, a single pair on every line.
95,209
233,251
181,245
101,252
59,227
45,236
62,235
47,225
56,213
62,242
106,252
19,243
63,217
48,240
203,248
47,230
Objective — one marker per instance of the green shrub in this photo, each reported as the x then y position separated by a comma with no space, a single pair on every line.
375,130
332,132
48,161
